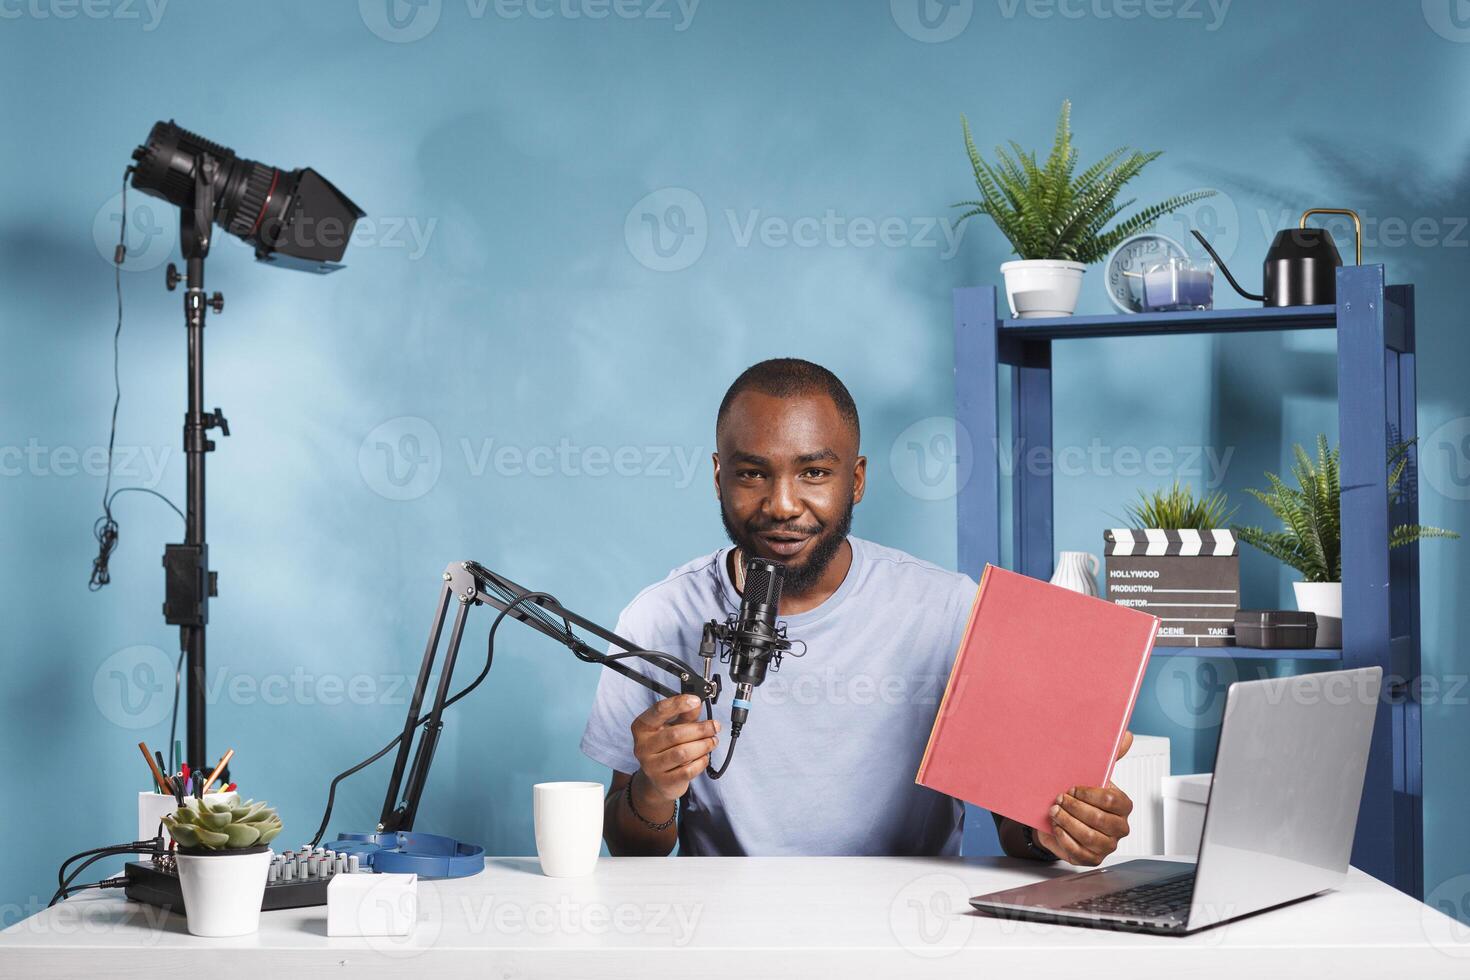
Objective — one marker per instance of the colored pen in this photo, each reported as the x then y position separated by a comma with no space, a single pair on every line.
229,754
153,767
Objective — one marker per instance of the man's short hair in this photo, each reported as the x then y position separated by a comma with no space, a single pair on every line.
787,377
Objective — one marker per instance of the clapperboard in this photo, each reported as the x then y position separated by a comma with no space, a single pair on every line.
1189,579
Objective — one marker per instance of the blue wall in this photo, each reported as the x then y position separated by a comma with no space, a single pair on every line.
512,369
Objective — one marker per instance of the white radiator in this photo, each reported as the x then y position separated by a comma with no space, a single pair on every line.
1140,774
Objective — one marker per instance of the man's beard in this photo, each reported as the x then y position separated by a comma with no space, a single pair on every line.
824,547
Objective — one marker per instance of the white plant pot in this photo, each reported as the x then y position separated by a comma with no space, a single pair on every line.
1042,287
223,890
1324,599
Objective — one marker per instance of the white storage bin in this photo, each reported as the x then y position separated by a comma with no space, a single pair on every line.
1184,812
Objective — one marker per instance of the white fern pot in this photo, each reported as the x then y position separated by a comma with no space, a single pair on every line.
1324,599
223,889
1042,287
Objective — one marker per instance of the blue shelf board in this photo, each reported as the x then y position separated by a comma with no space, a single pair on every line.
1250,653
1186,322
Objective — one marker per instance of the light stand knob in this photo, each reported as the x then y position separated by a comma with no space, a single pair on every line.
217,302
171,277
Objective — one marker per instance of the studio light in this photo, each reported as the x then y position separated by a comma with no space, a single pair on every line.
293,218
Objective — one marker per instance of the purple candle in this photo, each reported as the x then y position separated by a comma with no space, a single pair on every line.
1178,286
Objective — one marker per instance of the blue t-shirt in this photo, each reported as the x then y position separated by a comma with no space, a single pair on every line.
827,760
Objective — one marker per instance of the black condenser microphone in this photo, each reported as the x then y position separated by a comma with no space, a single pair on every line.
756,640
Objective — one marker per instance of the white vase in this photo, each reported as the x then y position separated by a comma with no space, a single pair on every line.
223,890
1324,599
1042,287
1077,570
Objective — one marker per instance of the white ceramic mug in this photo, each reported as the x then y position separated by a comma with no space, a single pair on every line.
568,819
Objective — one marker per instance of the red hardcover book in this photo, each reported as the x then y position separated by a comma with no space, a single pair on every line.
1039,696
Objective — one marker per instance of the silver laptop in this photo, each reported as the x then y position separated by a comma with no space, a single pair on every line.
1278,827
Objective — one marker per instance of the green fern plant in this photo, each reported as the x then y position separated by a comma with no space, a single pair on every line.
1178,508
1311,513
1049,211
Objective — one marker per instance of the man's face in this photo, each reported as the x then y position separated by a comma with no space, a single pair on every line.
788,473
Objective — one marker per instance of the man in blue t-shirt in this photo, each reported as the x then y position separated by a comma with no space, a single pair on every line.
826,762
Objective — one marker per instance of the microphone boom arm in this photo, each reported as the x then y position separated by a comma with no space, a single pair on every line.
472,584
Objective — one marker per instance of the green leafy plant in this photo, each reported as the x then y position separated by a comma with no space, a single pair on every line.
222,826
1178,507
1311,513
1049,211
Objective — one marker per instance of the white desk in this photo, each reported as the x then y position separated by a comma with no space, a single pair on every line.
748,918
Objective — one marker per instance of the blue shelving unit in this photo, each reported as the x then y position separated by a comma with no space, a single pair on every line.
1376,407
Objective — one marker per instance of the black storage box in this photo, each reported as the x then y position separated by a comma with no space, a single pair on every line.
1190,579
1275,629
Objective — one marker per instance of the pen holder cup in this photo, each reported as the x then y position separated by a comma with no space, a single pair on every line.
152,808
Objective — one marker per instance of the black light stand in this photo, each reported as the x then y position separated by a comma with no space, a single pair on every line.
188,582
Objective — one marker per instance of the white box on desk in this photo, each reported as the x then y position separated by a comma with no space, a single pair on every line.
367,904
1185,799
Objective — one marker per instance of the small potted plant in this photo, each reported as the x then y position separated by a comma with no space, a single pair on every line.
1054,217
223,860
1310,540
1178,561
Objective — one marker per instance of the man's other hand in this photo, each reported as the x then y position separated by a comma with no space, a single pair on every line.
672,746
1089,821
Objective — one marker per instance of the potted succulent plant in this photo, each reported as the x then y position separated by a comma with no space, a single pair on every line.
223,859
1178,561
1310,540
1054,217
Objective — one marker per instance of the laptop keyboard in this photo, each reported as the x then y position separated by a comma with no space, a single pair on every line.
1150,900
